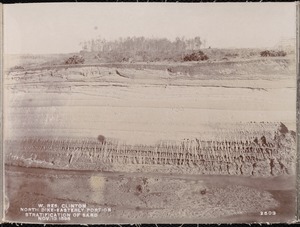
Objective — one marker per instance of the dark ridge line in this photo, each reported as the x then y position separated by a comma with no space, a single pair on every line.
151,85
186,64
11,167
221,86
118,106
121,75
118,130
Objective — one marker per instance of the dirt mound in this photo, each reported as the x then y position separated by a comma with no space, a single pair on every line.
196,56
283,129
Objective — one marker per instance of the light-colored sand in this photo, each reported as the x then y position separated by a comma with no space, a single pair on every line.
139,113
144,106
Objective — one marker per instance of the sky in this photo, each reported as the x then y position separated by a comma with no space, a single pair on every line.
44,28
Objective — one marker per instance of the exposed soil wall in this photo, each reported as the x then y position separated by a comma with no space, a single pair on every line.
237,68
261,156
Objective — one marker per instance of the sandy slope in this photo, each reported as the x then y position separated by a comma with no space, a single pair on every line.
143,106
142,111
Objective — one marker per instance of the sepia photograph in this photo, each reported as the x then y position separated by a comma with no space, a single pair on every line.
149,113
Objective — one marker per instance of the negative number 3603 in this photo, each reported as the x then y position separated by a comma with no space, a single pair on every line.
268,213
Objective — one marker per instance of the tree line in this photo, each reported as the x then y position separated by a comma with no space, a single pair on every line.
142,44
142,49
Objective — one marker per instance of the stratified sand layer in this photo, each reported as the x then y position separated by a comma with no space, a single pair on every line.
171,131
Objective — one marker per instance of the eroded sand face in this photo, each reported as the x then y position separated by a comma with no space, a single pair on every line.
141,110
144,107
